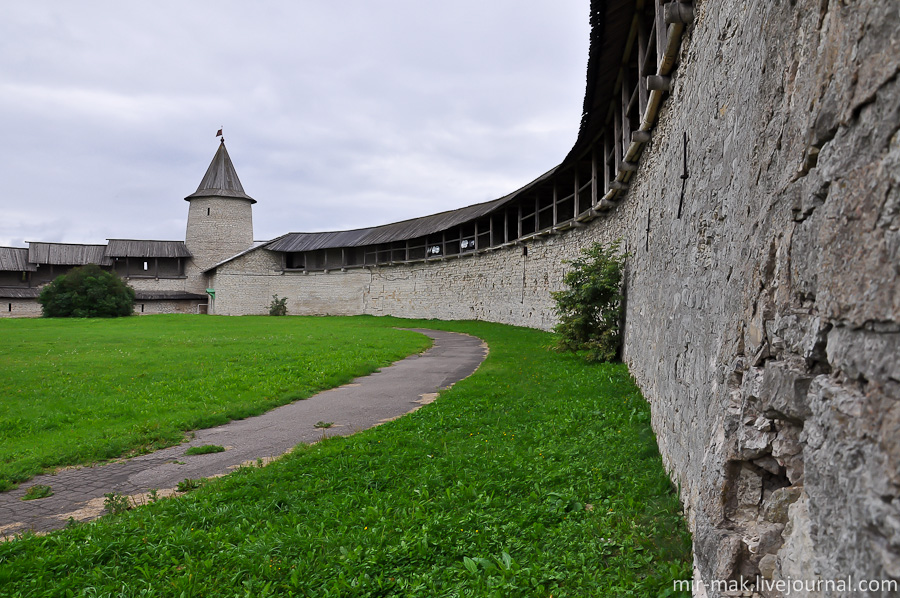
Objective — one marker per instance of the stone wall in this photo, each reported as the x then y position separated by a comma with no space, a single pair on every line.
179,306
19,308
764,324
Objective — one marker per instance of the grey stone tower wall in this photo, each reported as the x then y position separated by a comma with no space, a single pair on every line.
763,325
217,229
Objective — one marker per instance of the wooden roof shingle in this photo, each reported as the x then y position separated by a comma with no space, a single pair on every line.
15,259
67,254
221,179
19,293
141,248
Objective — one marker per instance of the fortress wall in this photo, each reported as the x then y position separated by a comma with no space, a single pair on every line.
158,284
245,286
763,326
501,285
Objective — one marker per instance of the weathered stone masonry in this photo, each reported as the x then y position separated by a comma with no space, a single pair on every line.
764,324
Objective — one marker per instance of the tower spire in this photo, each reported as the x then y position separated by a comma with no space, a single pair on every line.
221,179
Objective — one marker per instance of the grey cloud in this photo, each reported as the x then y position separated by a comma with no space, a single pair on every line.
337,115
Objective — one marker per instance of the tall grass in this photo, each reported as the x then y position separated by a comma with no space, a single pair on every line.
537,476
76,391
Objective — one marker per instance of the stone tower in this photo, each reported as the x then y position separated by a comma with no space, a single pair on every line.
220,217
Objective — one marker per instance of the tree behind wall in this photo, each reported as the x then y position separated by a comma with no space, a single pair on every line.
87,292
590,309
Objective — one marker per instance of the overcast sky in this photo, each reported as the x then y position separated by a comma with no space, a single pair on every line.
337,113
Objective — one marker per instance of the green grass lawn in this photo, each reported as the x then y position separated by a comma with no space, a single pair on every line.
77,391
537,476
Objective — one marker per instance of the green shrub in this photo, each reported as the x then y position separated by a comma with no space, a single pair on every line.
278,307
87,292
590,309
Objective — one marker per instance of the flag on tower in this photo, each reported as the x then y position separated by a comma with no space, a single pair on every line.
219,133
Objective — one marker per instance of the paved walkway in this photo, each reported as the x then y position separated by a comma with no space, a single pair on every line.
366,402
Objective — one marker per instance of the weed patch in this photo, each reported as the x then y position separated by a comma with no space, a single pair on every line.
38,491
115,503
187,484
205,449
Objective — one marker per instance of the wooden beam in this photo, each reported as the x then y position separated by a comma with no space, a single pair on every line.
626,122
576,195
607,171
681,13
661,32
555,204
659,83
506,224
617,145
640,136
519,220
642,59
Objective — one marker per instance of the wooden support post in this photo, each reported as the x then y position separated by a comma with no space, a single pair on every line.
506,225
661,32
626,122
519,220
607,171
576,195
617,145
629,166
642,59
593,176
555,220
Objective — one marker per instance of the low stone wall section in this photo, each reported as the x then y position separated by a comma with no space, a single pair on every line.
19,308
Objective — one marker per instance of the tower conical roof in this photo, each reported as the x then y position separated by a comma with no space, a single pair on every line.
221,179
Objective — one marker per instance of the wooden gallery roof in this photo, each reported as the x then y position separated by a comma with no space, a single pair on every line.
141,249
15,259
625,35
67,254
